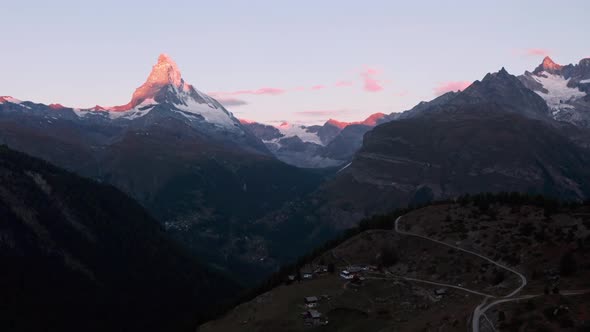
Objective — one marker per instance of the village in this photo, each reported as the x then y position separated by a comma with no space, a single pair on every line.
352,277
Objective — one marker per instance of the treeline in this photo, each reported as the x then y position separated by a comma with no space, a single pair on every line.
482,201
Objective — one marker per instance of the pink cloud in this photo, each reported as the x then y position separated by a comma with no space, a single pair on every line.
537,51
532,52
371,84
318,87
445,87
343,83
261,91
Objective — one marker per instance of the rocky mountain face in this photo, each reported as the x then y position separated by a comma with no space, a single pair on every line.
79,255
183,156
331,144
495,136
566,89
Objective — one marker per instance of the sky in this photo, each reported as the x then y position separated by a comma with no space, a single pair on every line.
272,61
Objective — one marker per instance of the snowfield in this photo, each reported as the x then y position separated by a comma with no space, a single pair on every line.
291,129
559,94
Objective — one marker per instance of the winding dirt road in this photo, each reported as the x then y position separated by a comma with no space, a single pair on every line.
482,307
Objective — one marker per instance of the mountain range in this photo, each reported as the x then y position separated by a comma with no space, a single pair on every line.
230,191
497,135
565,89
178,152
331,144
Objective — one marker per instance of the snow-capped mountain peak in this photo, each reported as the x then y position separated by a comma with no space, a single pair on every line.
164,73
164,100
166,89
563,88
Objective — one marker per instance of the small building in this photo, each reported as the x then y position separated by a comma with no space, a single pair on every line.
307,274
290,279
440,292
311,301
321,269
314,317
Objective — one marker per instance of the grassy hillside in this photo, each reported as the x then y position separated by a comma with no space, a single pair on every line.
545,241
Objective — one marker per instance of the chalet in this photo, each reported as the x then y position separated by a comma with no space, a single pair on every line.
290,279
315,314
345,274
314,317
311,301
307,274
440,292
321,269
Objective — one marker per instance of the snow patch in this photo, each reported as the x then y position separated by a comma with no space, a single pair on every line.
585,81
212,111
290,130
9,99
559,94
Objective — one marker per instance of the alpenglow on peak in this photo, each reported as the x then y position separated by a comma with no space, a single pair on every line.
165,72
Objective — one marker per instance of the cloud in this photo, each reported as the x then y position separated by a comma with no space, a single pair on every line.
261,91
231,101
537,52
322,112
343,83
445,87
318,87
371,84
527,52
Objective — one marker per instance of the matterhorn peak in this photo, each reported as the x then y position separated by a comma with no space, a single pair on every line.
165,72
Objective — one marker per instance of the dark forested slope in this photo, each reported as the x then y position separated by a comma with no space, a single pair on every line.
79,255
